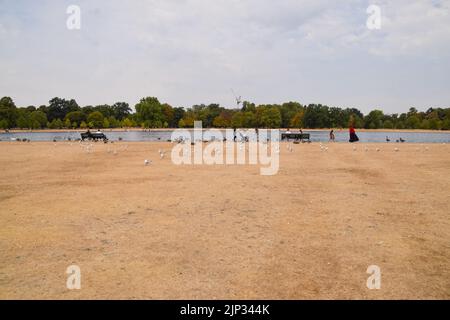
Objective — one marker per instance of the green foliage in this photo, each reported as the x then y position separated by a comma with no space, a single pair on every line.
150,113
126,123
96,119
8,113
181,123
38,120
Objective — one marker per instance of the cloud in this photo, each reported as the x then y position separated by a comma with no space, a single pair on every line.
194,51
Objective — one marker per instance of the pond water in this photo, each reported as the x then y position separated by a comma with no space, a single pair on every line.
165,135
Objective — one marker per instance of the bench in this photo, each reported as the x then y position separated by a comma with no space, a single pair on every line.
296,136
93,136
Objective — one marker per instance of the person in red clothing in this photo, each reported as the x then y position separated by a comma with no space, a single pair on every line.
353,136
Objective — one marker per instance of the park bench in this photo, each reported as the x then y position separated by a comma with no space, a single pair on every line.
303,137
93,136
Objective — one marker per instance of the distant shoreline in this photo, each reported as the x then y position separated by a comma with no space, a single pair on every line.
189,129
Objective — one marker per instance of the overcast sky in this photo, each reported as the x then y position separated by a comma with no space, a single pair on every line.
188,52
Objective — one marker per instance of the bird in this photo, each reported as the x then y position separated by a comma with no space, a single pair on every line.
146,162
402,140
387,139
396,150
378,149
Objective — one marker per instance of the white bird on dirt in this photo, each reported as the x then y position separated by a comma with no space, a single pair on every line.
147,162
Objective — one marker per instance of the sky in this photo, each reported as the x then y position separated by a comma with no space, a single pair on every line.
188,52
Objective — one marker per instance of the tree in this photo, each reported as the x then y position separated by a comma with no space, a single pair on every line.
237,120
96,119
121,110
181,123
168,114
223,120
149,112
316,116
113,122
126,123
75,116
8,112
178,114
38,119
288,111
413,122
56,124
388,124
297,120
270,117
59,108
105,109
374,120
67,124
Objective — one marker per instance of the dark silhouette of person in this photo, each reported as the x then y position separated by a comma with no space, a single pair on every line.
332,137
353,136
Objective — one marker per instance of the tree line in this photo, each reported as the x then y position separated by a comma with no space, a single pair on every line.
151,113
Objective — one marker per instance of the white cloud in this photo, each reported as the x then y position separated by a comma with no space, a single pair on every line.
194,51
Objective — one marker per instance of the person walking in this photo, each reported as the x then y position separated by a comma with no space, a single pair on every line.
353,136
332,137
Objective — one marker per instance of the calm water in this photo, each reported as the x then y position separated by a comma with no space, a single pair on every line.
316,136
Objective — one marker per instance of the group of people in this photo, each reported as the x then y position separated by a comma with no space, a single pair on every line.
352,132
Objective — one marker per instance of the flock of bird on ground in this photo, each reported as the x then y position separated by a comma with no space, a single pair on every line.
88,146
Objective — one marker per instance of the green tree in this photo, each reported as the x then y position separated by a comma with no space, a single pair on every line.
8,112
96,118
121,110
75,116
106,123
149,112
374,120
181,124
388,124
288,111
297,120
270,117
38,119
126,123
58,108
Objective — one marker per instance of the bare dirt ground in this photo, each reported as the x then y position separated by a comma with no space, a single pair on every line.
224,232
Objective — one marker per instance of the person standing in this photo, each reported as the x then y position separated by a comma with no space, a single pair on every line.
332,137
353,136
